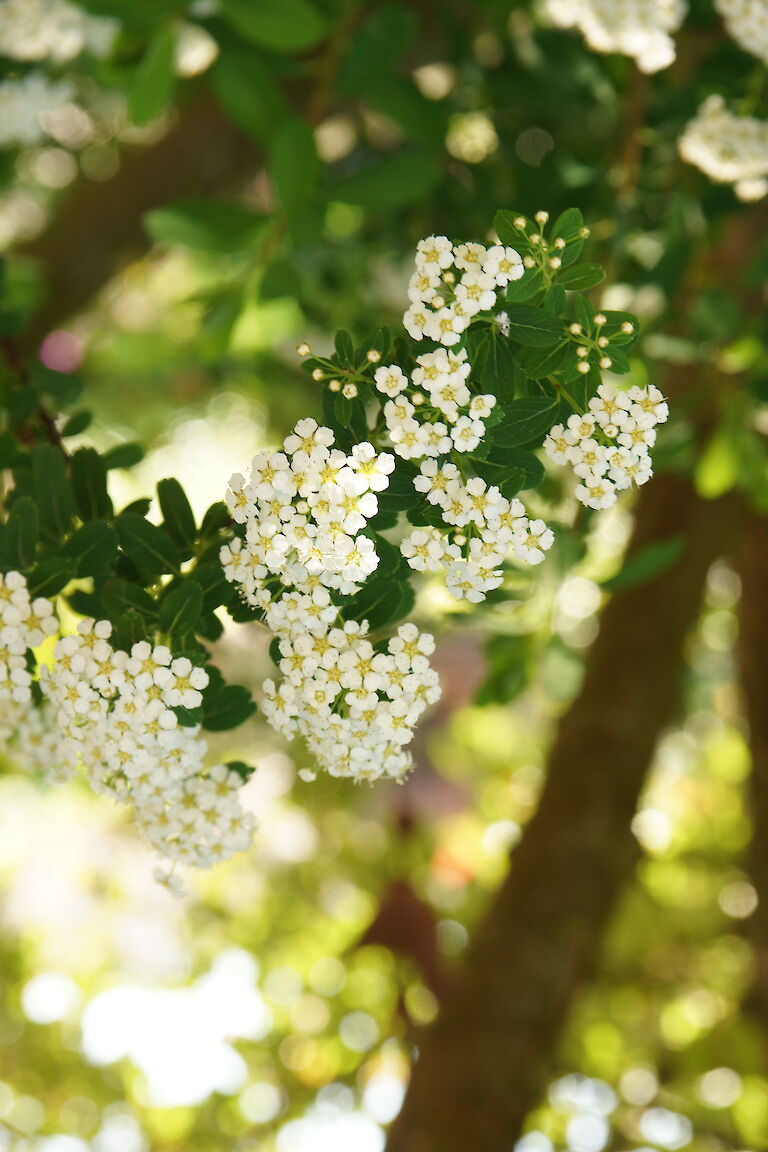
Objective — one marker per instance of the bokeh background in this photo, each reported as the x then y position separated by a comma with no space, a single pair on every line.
188,190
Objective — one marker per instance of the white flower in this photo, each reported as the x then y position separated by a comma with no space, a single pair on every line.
467,433
390,380
596,492
531,539
503,264
434,255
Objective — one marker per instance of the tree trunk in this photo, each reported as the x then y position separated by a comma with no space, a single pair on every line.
753,659
484,1063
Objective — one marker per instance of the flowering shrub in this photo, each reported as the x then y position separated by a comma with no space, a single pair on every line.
426,443
431,446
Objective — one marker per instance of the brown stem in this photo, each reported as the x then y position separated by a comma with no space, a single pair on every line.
753,661
483,1065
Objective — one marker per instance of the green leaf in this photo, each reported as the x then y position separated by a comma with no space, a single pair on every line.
52,575
580,277
294,166
146,545
61,387
245,86
244,771
120,595
180,608
533,327
123,456
89,482
93,545
21,534
227,707
494,365
215,519
646,563
281,25
130,628
381,601
77,423
526,421
52,491
153,81
529,284
506,230
391,182
542,362
568,224
205,225
506,657
178,517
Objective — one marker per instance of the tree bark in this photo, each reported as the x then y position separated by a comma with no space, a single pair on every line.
484,1063
753,662
98,228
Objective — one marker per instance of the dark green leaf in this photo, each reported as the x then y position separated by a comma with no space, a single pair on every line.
21,534
77,423
120,595
227,707
280,25
154,79
526,421
533,327
388,183
93,546
89,482
180,608
52,575
178,517
205,225
123,456
294,166
245,85
581,277
52,491
146,545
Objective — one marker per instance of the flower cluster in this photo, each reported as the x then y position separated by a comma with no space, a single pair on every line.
354,702
26,105
730,149
608,447
113,711
452,283
24,624
435,412
747,22
483,528
642,29
304,511
52,29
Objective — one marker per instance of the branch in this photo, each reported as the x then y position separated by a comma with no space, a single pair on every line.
485,1062
99,227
